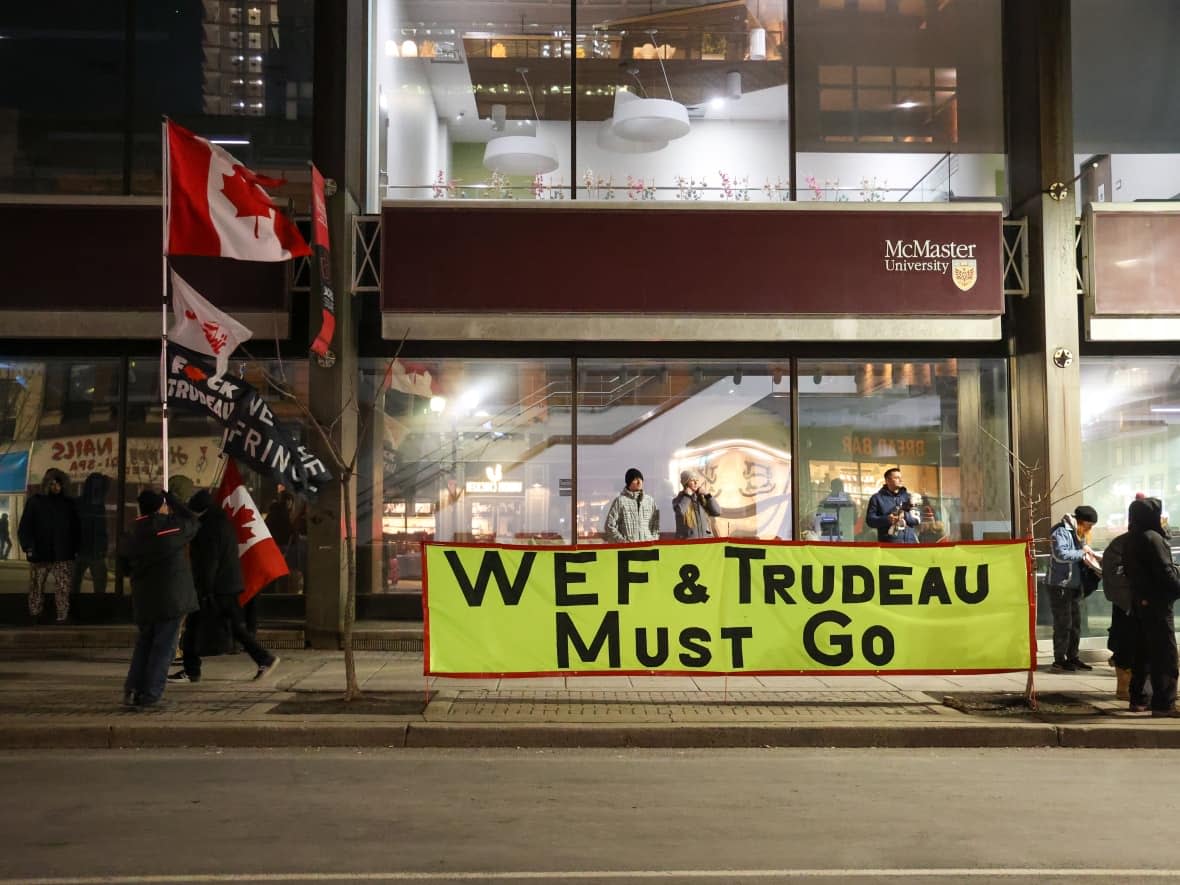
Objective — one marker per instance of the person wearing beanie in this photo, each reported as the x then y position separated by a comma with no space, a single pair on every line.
48,533
1068,557
694,507
162,592
217,575
1155,587
633,515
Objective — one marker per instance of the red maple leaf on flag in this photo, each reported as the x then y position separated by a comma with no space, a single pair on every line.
241,518
194,373
244,191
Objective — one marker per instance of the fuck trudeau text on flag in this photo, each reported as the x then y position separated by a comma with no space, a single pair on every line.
727,607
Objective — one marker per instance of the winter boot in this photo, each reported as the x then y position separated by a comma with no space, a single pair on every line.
1122,689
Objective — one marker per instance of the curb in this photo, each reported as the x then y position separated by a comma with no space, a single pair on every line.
420,735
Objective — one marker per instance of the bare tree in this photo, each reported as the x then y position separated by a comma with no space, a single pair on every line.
344,466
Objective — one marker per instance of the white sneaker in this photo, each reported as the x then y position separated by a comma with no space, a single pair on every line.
265,670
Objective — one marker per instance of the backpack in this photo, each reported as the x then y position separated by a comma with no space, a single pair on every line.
1115,585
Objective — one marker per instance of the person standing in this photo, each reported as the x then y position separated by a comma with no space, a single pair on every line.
694,508
891,513
92,541
217,576
1067,552
153,554
5,536
1155,586
632,516
48,534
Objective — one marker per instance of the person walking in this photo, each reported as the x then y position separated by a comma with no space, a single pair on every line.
153,554
217,575
5,536
1155,586
1067,552
694,508
632,516
48,534
92,540
891,512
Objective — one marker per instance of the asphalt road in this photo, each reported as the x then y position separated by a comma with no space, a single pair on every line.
724,816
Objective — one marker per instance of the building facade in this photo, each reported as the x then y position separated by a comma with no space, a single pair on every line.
788,243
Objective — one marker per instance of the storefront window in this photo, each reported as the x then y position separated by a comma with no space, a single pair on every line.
730,421
944,423
461,450
60,414
898,101
1126,113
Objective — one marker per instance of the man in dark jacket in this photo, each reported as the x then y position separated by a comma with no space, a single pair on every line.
162,591
1155,586
217,574
890,512
92,541
48,533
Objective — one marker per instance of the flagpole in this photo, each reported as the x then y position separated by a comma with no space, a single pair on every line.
166,185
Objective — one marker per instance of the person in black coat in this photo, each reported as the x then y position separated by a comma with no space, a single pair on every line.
217,574
92,541
1155,586
890,512
48,534
153,554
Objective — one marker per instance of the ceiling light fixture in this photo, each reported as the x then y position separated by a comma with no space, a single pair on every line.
520,154
649,119
758,44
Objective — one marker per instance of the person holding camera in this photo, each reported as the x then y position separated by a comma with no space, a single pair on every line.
694,508
891,512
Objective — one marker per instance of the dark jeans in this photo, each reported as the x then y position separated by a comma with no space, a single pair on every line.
1155,650
98,572
1121,641
148,673
1066,603
227,607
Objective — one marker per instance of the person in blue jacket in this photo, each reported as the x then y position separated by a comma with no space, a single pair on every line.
890,512
1068,549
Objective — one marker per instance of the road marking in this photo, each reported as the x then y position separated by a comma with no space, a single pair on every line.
551,875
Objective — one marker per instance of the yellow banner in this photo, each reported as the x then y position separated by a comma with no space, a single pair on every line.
727,607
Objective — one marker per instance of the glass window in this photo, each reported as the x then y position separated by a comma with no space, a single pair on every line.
462,450
923,121
61,413
1126,109
62,98
730,421
858,419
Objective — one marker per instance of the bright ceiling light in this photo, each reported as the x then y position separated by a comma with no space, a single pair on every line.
648,119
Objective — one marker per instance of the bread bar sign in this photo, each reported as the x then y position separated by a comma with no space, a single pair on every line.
928,256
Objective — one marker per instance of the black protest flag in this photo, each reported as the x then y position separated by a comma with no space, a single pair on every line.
321,267
192,385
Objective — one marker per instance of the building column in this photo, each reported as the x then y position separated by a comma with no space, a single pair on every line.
1043,327
341,96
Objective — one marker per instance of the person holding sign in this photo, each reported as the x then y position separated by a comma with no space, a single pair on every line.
1068,551
891,513
694,508
633,516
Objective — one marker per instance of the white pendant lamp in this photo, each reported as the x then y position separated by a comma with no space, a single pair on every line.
521,154
648,119
609,141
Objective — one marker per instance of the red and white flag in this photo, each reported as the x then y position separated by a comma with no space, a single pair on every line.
200,326
262,560
217,207
414,380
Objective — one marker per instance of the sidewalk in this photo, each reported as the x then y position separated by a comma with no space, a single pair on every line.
69,698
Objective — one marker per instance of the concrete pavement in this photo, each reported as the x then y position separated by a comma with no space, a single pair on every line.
69,697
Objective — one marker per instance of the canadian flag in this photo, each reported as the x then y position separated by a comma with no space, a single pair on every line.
262,560
217,207
409,379
202,327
